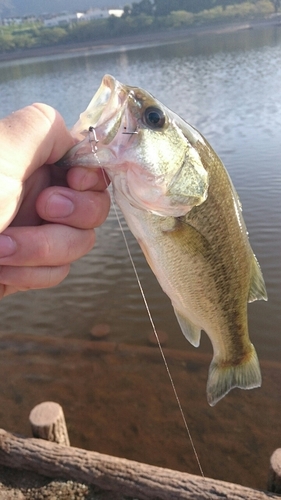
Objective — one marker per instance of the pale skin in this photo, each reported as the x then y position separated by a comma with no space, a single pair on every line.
47,215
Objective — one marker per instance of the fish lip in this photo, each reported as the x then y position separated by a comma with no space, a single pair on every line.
95,124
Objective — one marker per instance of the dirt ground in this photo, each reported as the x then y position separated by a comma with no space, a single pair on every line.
118,400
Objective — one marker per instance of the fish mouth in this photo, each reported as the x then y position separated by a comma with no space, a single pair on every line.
98,126
107,101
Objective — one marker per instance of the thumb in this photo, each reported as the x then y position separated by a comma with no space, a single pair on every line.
31,137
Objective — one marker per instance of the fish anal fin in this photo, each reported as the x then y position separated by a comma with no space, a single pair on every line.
257,288
191,332
226,376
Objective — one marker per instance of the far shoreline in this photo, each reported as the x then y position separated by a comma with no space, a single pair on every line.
140,40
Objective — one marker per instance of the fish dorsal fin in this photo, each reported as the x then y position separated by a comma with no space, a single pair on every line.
191,332
257,287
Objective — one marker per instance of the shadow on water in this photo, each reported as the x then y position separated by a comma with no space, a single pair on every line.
116,394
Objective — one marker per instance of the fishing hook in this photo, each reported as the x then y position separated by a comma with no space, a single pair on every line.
94,140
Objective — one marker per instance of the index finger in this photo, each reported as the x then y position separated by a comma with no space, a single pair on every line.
87,179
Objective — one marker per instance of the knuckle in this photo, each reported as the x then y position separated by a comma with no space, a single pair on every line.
82,242
55,275
44,247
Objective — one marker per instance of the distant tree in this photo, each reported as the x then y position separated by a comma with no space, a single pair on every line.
191,6
51,36
24,41
126,11
276,5
163,7
180,18
113,23
142,7
6,42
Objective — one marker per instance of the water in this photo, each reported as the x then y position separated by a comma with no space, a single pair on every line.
228,86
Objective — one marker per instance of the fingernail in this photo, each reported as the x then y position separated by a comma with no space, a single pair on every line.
59,206
7,246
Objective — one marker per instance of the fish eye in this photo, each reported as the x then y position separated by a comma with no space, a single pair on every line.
154,117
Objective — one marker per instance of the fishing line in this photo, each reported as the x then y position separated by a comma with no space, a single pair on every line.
94,150
158,341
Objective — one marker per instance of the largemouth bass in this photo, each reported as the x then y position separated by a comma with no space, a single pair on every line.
181,206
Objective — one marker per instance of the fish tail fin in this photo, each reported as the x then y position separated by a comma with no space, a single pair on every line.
225,376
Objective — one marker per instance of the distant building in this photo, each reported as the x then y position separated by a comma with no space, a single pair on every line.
116,12
7,21
100,14
95,14
65,18
60,20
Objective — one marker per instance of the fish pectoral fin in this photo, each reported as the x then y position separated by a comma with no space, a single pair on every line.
191,332
257,288
225,376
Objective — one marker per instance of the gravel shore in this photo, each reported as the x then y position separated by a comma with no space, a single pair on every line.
22,485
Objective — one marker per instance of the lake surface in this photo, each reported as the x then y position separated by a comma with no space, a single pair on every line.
228,86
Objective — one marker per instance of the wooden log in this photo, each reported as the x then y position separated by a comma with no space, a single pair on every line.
48,422
274,478
142,481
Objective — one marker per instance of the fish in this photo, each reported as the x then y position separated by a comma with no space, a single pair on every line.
180,204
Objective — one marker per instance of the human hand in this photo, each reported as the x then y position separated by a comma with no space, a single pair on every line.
47,215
